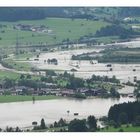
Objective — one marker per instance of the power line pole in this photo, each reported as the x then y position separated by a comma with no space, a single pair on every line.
17,44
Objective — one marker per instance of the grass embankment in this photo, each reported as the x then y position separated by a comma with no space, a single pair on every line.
55,129
18,98
25,56
110,129
123,127
17,65
108,39
9,74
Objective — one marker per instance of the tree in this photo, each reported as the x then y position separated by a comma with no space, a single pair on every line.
14,14
75,83
55,124
17,129
137,93
123,118
8,83
114,93
91,121
61,122
9,129
42,125
137,120
33,98
29,76
113,30
66,74
80,96
22,76
131,110
121,130
77,126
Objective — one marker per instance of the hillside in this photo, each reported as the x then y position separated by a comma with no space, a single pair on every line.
59,29
30,13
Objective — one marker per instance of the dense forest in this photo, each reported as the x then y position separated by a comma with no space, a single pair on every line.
30,13
116,30
125,113
129,11
14,14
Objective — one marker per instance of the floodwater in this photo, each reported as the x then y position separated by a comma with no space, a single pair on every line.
85,69
127,90
22,114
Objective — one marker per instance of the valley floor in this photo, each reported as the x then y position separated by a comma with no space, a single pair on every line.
18,98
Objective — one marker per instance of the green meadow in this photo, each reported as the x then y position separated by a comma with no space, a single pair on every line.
62,28
18,98
123,128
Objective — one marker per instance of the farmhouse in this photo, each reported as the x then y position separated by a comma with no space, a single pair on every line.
51,85
67,92
91,92
33,28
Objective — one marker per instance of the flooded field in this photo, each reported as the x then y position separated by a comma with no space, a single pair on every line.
124,72
22,114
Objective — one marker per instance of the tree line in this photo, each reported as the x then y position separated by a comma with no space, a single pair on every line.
116,30
125,113
112,55
30,13
76,125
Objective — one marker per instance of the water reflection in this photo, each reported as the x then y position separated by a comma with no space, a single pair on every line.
33,99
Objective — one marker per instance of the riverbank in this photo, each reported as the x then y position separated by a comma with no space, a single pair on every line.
123,128
18,98
22,114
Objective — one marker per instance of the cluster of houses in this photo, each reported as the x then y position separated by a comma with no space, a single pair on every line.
33,28
91,91
52,90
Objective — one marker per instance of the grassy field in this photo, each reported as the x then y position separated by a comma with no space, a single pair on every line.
18,65
14,75
55,129
108,39
18,98
124,128
8,74
110,129
62,28
123,53
24,56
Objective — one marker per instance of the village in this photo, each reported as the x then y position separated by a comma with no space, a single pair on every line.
52,89
33,28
